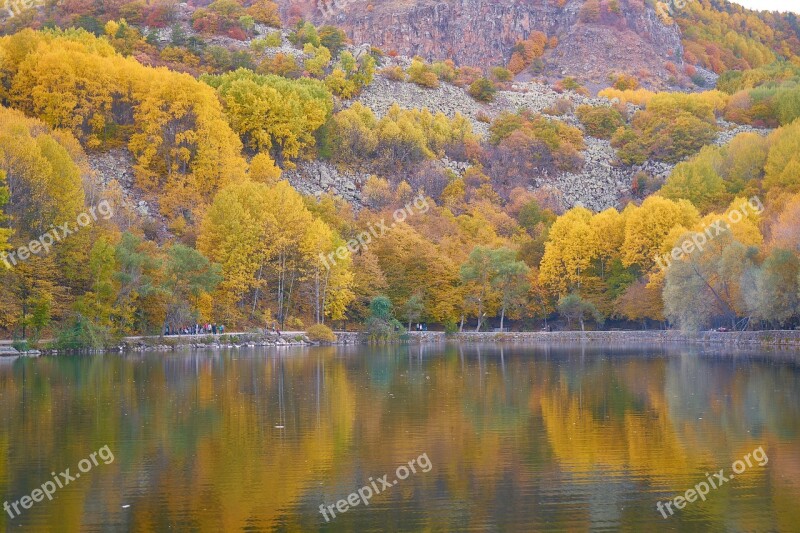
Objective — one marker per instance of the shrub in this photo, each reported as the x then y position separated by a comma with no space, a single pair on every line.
638,97
482,90
699,80
281,65
237,33
570,84
600,122
445,70
522,144
537,66
624,82
273,40
320,333
560,107
265,12
394,73
590,11
502,74
673,126
21,345
467,75
422,74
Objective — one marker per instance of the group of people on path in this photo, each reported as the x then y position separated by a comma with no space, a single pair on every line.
196,329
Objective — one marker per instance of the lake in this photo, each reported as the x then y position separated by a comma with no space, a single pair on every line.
434,438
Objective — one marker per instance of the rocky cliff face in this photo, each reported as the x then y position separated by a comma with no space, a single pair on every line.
631,39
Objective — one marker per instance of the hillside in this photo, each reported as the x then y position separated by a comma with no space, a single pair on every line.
251,157
631,39
653,40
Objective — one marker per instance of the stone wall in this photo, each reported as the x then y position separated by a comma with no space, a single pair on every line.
738,338
778,338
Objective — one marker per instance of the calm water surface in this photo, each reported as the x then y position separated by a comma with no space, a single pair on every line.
516,439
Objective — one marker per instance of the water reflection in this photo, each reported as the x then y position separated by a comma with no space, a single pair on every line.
520,438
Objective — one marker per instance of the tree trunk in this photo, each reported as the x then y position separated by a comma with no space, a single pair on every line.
255,296
502,317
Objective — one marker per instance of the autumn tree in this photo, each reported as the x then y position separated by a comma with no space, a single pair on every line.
698,181
648,227
238,233
274,114
775,297
265,12
571,248
673,126
786,229
713,277
174,125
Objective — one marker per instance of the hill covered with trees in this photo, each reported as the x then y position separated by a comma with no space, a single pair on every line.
232,152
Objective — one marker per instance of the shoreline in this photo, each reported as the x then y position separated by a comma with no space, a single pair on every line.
767,338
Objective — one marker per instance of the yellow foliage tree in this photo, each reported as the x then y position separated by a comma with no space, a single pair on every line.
572,246
648,226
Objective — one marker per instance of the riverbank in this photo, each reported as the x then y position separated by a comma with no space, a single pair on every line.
787,338
779,338
173,343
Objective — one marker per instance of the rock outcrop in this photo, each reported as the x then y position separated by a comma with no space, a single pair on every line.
633,39
319,176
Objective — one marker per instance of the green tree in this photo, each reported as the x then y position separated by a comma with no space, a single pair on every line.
511,282
332,38
573,307
381,324
189,278
413,308
478,272
139,295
